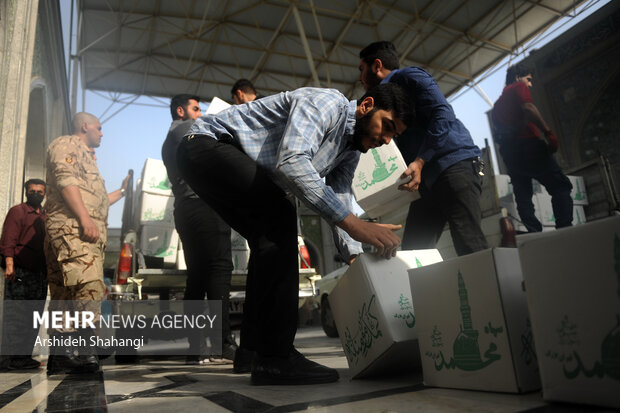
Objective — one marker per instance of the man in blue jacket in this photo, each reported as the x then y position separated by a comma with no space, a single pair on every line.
444,163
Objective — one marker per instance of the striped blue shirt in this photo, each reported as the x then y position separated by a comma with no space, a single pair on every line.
302,136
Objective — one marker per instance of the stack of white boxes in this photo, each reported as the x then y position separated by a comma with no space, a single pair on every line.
542,202
376,180
158,236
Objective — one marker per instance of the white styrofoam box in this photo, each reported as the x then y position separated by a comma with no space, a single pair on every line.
473,325
154,178
572,278
217,105
237,242
159,241
240,259
374,313
503,185
376,180
156,209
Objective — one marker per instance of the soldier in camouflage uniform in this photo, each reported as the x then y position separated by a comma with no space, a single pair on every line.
76,228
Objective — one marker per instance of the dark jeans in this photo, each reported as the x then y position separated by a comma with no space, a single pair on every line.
207,250
528,159
453,198
245,195
18,335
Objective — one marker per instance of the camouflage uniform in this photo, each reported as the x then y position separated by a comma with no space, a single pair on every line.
74,267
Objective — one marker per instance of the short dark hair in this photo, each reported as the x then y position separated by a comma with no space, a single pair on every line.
244,85
34,181
520,69
384,51
180,100
390,96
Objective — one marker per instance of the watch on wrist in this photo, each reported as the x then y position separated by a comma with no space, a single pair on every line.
122,192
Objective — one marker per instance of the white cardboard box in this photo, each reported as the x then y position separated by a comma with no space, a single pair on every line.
160,241
154,178
376,180
217,105
578,193
572,278
156,209
374,313
237,242
473,325
240,259
503,185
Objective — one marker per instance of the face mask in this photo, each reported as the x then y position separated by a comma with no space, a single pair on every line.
34,199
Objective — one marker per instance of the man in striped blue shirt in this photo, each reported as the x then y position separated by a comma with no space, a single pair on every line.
247,160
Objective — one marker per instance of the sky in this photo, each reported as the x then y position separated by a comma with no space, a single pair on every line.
137,132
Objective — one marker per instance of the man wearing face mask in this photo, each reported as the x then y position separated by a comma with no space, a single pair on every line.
21,247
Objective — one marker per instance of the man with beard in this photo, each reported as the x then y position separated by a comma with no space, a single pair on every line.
444,163
21,246
258,152
205,237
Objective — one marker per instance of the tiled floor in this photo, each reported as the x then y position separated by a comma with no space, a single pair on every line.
171,386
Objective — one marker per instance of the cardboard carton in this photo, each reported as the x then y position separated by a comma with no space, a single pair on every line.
156,209
376,181
572,278
217,105
240,259
154,179
473,325
159,241
374,313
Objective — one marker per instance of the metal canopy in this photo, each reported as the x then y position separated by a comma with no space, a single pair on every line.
165,47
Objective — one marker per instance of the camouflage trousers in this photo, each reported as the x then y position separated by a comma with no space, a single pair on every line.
75,274
17,332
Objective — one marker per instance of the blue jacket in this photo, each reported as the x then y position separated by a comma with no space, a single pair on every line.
436,136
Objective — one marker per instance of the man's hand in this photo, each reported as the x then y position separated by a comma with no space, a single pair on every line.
552,141
89,231
381,236
125,182
9,272
415,172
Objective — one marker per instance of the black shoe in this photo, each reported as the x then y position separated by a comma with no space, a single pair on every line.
63,364
21,363
295,369
243,361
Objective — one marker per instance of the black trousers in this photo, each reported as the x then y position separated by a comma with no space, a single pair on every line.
528,159
453,198
245,195
207,250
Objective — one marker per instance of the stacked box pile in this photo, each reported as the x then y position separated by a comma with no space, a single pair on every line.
158,236
542,202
